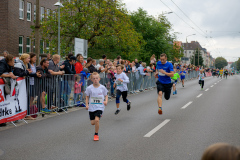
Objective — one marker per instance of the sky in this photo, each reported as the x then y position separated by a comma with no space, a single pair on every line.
216,23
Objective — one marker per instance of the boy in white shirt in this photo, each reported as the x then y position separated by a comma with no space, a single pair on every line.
122,89
201,79
95,95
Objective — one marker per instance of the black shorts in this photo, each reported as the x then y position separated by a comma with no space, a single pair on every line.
165,88
94,114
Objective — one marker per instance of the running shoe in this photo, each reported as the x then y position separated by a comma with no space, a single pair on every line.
176,92
45,110
96,138
160,110
129,106
117,111
173,92
201,88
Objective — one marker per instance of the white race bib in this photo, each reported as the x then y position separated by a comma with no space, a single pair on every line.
96,100
119,83
160,74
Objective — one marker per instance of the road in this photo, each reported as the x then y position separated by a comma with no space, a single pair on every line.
191,121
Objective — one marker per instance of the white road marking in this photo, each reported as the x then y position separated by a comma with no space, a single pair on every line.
199,95
187,105
207,89
215,83
211,85
149,134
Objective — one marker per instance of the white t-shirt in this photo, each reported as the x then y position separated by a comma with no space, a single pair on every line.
96,97
201,76
122,86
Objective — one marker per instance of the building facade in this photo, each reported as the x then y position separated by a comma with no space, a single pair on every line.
17,17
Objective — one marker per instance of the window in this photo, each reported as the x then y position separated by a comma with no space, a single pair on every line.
28,46
48,13
21,9
29,9
34,12
41,46
42,13
47,45
20,44
189,51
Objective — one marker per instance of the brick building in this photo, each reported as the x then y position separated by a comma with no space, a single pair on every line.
16,18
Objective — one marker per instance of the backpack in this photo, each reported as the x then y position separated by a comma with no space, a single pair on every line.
33,111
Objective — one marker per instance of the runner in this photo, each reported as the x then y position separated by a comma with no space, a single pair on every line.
175,80
122,89
201,79
218,73
164,71
226,73
183,73
96,93
221,73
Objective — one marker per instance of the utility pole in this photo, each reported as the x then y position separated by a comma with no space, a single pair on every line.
37,27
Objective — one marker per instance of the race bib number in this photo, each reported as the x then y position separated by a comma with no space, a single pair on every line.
96,100
119,83
160,74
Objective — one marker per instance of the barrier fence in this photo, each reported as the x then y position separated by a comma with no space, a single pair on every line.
58,93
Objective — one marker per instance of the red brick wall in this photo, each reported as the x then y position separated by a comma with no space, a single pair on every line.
15,27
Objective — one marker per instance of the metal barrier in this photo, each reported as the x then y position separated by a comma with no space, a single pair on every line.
60,92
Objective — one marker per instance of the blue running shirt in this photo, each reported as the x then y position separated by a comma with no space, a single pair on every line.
167,67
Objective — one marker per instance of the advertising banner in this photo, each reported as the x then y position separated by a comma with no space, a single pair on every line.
13,106
81,47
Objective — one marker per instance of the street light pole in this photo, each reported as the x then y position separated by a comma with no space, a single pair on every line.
59,4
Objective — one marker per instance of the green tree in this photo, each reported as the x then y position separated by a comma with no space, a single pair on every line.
155,33
195,56
104,23
220,62
238,64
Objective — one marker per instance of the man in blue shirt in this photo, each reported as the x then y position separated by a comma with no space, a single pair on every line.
164,72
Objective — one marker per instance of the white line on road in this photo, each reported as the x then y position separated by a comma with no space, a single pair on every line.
199,95
215,83
149,134
211,85
207,89
186,105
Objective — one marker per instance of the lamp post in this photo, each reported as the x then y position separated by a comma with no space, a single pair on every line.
159,18
186,43
189,35
59,5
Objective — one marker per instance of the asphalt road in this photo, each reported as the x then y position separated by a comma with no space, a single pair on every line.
191,121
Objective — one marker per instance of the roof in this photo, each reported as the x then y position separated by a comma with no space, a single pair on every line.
191,46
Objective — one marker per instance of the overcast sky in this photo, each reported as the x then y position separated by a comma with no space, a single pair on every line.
216,23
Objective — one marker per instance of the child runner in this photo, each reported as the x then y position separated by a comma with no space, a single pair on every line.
201,79
183,73
122,89
174,81
164,71
95,95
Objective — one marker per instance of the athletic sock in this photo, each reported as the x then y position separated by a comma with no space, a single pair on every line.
118,108
96,133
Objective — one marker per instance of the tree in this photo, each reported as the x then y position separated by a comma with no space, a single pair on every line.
104,23
194,59
220,62
238,64
155,33
176,53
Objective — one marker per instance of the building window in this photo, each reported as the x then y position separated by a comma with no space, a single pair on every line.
20,44
21,9
189,51
29,9
34,12
41,46
28,46
48,13
42,13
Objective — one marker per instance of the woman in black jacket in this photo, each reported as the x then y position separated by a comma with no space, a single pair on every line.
89,65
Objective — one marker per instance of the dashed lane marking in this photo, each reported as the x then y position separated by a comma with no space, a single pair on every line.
187,105
149,134
211,85
199,95
207,89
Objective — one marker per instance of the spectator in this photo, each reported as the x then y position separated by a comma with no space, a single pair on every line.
221,151
94,63
136,63
49,57
89,65
78,65
104,57
153,59
69,65
112,78
119,60
77,89
5,53
100,66
140,69
127,68
43,84
53,67
6,68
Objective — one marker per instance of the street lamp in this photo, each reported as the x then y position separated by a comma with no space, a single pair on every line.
59,5
163,14
189,35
